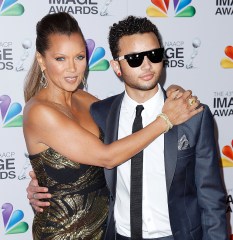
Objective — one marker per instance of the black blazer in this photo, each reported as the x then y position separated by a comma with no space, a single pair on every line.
196,197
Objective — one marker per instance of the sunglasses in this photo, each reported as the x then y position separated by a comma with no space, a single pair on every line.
136,59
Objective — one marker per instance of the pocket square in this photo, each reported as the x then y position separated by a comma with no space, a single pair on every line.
183,143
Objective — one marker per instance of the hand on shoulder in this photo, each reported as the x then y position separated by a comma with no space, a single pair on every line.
181,108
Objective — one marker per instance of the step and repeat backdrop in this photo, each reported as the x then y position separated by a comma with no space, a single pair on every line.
198,39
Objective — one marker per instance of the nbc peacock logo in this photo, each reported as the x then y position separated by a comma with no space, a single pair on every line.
11,8
227,151
12,220
10,112
227,62
160,8
95,57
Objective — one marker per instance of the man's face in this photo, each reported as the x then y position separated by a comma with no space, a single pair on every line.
142,79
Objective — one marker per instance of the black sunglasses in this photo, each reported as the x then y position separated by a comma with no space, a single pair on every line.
136,59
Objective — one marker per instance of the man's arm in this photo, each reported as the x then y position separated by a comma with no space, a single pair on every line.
210,191
35,193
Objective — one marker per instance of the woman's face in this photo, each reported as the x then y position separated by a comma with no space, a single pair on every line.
64,63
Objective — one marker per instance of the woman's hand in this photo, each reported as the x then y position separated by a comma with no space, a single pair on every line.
180,107
175,88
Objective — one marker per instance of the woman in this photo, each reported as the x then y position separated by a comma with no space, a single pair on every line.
63,141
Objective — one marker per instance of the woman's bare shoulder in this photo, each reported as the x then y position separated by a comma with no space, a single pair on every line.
85,96
37,110
84,99
35,104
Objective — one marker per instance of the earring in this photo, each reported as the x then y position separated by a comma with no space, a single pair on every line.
84,82
43,81
119,74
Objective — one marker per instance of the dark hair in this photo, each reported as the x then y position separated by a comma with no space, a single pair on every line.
57,23
129,26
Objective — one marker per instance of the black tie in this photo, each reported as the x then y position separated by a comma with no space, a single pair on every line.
136,184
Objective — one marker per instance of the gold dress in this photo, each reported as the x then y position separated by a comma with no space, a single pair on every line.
79,204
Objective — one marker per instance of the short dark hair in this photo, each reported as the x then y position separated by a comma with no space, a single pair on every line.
129,26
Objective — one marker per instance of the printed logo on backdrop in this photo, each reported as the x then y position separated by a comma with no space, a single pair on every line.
176,8
229,203
176,51
10,112
21,65
74,6
104,10
7,166
95,57
6,56
227,62
174,54
223,104
223,107
224,7
227,158
8,169
229,200
11,8
12,220
24,173
196,43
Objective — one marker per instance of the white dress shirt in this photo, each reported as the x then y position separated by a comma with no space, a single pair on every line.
155,208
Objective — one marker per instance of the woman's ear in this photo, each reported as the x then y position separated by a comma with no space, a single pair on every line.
116,67
40,61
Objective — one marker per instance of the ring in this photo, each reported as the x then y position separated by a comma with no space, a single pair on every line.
34,195
191,101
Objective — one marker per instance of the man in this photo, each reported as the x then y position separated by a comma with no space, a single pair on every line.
182,192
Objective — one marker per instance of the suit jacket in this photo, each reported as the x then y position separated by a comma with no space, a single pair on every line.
196,198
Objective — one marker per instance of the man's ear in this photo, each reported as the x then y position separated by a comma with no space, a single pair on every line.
116,67
40,61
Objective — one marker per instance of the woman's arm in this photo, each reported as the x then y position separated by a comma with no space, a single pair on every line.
54,129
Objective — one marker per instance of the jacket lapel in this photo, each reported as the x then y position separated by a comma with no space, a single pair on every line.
111,135
170,154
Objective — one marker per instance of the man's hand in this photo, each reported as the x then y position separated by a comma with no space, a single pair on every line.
35,193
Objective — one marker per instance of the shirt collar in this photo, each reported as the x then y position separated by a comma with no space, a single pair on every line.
151,106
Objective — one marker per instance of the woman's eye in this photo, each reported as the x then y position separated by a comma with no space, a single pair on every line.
80,57
59,59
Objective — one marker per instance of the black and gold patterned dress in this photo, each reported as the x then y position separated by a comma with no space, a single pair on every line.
79,204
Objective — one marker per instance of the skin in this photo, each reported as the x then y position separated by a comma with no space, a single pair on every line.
64,68
140,82
67,60
64,64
